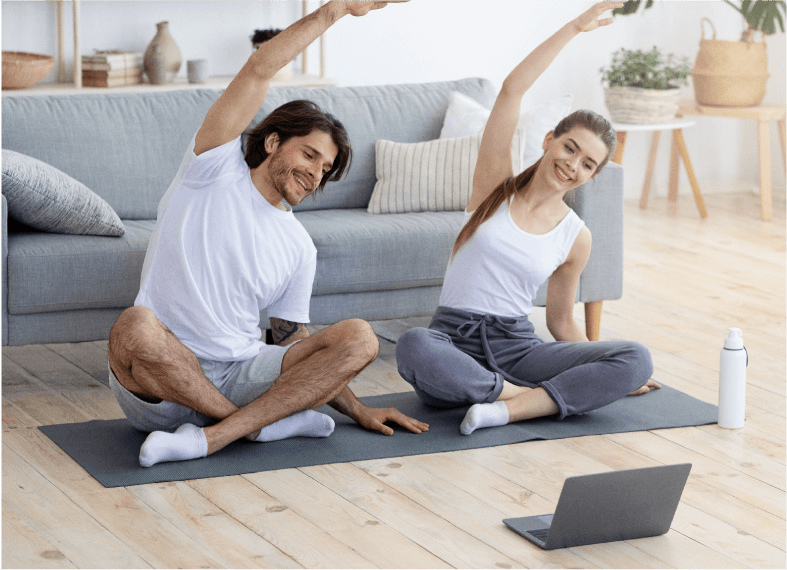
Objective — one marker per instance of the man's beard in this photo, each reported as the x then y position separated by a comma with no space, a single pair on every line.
282,178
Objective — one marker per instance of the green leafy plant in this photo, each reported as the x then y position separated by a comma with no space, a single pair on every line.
646,69
760,15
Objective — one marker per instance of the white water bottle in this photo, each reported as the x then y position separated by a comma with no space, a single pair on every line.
732,381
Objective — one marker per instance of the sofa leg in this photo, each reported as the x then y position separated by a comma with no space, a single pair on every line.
593,319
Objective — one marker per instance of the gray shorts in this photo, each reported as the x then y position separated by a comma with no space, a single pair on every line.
241,382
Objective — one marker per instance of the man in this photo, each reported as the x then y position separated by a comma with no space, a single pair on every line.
188,355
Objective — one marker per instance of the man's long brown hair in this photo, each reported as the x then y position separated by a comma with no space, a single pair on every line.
299,119
583,118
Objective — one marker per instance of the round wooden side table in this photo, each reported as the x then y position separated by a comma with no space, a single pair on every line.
679,150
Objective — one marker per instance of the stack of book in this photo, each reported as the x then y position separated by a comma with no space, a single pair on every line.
111,69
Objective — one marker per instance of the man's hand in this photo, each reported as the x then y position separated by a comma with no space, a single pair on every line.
651,385
375,418
589,21
363,8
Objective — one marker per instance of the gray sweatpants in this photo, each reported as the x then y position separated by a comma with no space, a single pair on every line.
463,358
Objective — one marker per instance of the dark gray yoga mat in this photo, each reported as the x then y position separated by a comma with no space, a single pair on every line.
109,449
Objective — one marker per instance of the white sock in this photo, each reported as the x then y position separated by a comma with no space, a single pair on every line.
484,416
307,424
188,442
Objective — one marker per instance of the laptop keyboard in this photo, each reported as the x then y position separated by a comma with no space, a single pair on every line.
540,534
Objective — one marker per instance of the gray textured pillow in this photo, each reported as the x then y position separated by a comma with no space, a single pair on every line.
48,199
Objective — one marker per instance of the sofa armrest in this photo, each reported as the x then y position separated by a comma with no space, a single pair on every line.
600,205
5,272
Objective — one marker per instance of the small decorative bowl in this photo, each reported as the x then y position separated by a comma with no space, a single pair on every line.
21,69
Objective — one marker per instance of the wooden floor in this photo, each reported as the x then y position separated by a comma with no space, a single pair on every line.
686,281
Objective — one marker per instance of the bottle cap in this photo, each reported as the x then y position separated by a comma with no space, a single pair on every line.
734,340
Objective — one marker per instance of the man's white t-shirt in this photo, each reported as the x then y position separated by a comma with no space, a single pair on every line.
219,254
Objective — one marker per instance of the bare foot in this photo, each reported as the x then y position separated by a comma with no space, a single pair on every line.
651,385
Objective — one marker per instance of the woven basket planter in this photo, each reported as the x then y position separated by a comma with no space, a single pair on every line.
729,74
636,105
22,69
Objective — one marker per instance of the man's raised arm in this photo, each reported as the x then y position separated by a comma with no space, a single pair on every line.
229,116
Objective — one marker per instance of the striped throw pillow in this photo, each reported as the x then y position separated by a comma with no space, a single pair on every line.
430,176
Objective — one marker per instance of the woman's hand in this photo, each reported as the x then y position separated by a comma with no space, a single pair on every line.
589,21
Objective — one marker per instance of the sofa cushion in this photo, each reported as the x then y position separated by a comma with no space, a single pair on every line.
125,147
466,117
358,251
434,176
47,199
57,272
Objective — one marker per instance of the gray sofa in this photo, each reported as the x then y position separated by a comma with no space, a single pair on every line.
127,149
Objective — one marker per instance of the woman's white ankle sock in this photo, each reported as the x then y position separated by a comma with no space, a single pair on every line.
484,416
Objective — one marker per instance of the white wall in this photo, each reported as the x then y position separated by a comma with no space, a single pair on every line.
432,40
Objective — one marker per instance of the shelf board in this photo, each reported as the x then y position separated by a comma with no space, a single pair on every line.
298,80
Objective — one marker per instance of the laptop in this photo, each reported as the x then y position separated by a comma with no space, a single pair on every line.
606,507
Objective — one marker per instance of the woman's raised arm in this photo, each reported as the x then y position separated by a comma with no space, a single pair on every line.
494,157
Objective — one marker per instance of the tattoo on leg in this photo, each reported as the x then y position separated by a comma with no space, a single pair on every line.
284,332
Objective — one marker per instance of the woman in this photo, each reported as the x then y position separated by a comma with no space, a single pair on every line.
480,347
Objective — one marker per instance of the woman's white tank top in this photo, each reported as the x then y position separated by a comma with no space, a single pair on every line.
500,268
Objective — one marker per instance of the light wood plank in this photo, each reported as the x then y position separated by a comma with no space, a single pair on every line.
296,537
87,356
23,547
435,534
230,542
49,366
59,521
152,536
375,541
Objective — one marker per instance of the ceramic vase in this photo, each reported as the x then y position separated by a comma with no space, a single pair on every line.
162,57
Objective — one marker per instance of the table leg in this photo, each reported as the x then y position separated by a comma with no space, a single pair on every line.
766,201
674,166
677,136
654,148
593,319
784,150
618,157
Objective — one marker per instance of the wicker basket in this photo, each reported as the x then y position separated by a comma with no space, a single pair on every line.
729,74
22,69
635,105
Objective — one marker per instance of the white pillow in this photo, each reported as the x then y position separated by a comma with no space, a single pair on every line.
466,116
424,176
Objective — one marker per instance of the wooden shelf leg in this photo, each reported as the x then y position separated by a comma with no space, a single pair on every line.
618,157
674,169
766,203
593,319
784,145
684,153
654,149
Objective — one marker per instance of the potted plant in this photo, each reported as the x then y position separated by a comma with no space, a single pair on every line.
732,73
643,86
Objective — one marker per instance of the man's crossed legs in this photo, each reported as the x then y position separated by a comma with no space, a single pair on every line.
152,364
